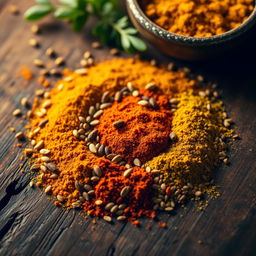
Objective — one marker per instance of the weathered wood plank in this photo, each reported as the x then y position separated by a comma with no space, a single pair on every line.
31,225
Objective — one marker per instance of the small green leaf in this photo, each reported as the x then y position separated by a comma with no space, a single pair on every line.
138,44
131,31
70,3
107,8
43,2
64,13
37,12
123,22
78,22
125,42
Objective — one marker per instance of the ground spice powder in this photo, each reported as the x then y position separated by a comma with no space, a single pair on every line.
198,18
70,164
145,132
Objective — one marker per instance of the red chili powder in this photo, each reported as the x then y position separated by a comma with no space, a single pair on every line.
139,199
146,130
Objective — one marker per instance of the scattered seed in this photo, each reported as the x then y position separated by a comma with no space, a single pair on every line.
137,162
114,209
86,196
46,104
124,192
225,161
107,218
101,150
202,94
35,29
39,93
90,61
94,122
173,136
153,63
35,167
54,176
168,209
92,135
33,42
117,159
59,61
75,133
95,178
130,86
127,173
76,204
97,170
121,218
109,206
13,9
150,86
43,168
20,135
148,169
51,166
105,105
81,119
31,183
118,96
135,93
226,123
119,124
143,103
198,193
215,94
45,159
50,52
16,112
98,202
92,148
38,63
87,187
44,151
96,45
114,51
98,114
105,97
81,71
48,189
152,102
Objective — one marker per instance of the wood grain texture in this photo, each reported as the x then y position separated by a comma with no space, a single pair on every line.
31,225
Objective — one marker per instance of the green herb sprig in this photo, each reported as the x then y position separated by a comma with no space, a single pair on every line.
112,26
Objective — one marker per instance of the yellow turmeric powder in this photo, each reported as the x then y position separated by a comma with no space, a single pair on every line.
198,18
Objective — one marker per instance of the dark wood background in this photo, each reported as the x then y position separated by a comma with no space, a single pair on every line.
31,225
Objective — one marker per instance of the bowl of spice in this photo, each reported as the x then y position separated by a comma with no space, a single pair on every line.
193,30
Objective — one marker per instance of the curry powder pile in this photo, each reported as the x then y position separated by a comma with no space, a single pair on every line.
126,138
198,18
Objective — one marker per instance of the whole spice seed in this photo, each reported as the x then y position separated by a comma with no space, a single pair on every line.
24,102
33,42
19,135
35,29
119,124
107,218
44,151
16,112
59,61
125,191
38,63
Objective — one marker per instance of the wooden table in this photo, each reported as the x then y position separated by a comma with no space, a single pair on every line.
31,225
